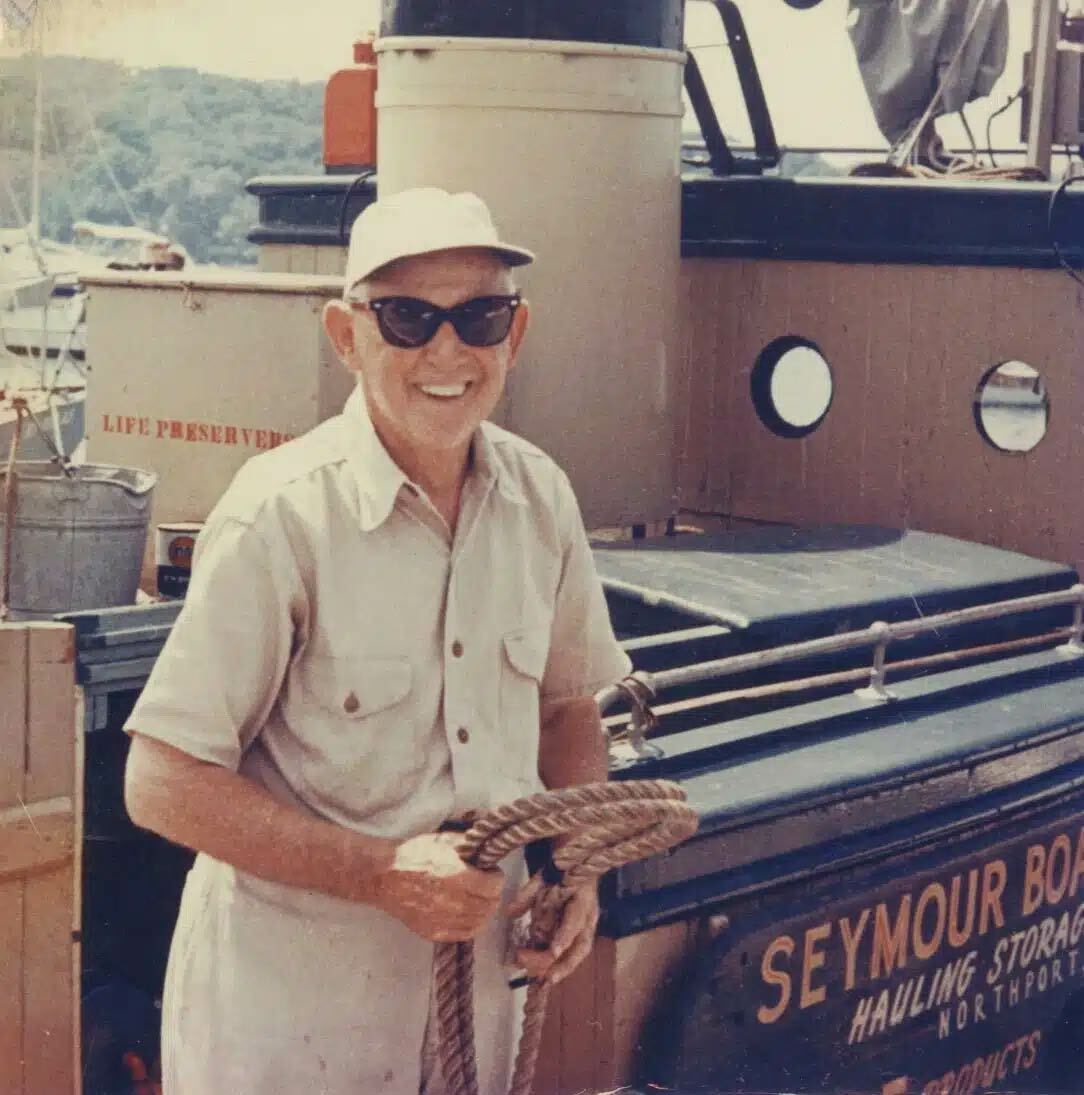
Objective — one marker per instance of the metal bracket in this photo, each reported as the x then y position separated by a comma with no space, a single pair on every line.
638,689
875,691
1073,647
189,299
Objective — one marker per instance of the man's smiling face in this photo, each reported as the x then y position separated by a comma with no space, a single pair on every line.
428,401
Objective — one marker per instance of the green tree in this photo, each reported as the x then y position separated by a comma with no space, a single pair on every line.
174,144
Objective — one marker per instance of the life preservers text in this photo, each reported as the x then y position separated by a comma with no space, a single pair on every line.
209,433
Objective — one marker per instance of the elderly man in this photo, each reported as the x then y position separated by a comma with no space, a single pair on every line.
393,622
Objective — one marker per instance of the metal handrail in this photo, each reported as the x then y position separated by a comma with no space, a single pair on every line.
613,723
878,635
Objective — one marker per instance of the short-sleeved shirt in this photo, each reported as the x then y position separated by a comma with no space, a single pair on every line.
340,647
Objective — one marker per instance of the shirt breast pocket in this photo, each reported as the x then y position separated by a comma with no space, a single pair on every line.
360,731
524,653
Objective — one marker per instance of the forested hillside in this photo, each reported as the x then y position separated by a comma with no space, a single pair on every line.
171,146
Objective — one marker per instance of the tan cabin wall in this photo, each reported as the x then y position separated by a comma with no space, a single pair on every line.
40,839
907,346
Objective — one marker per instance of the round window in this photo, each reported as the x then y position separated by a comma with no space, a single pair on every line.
791,386
1011,407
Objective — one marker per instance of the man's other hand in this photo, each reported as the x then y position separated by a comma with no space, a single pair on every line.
434,893
572,941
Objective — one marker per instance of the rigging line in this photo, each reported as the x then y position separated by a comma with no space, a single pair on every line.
1062,260
121,193
997,113
20,219
970,136
911,139
54,132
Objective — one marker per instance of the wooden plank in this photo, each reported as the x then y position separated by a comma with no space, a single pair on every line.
13,690
48,1034
11,987
1012,514
546,1072
766,468
811,316
579,1028
13,656
693,419
50,708
890,333
845,345
1058,317
38,860
645,966
35,838
576,1049
948,465
605,955
77,893
729,385
926,433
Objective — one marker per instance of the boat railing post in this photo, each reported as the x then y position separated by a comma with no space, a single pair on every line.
875,690
1074,645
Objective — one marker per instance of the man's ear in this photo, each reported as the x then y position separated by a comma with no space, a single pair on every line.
520,323
339,324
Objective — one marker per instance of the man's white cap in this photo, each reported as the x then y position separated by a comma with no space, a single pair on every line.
418,222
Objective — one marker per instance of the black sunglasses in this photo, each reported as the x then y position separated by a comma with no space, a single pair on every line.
408,322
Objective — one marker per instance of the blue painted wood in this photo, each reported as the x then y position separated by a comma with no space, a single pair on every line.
821,219
115,649
776,1002
651,23
631,908
882,220
797,583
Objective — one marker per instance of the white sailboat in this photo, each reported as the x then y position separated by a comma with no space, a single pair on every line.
43,307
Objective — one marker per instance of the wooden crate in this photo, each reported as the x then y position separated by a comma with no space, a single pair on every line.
40,838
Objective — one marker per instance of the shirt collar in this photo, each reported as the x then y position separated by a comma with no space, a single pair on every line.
379,478
489,465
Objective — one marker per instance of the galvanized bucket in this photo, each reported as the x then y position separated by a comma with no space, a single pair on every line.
78,539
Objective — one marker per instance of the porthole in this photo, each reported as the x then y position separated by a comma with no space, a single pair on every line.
1011,407
791,386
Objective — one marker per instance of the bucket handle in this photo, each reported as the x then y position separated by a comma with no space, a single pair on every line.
144,484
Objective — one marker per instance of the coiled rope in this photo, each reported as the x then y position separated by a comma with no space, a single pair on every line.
607,825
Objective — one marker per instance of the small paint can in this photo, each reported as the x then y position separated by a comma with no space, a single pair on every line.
173,555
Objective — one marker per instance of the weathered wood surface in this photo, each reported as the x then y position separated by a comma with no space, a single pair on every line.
40,834
907,346
600,1019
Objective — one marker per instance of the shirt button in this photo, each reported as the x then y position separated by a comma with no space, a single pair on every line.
463,734
457,649
351,704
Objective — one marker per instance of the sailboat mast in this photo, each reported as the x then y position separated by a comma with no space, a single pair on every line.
38,31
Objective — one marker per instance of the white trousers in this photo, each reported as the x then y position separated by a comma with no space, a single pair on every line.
272,990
